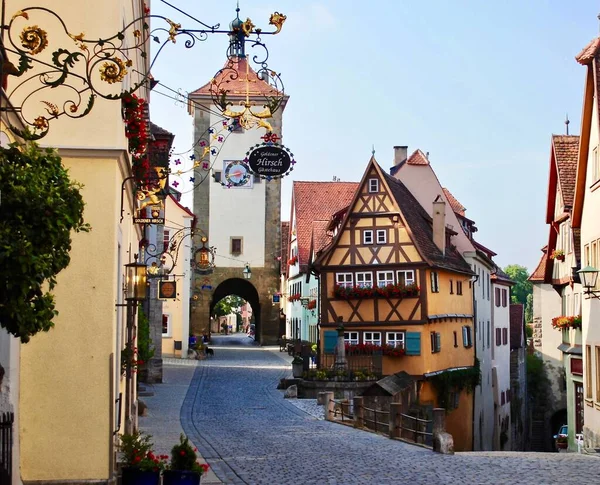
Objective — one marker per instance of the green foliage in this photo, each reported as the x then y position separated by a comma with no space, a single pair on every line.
528,331
228,305
136,451
145,349
537,381
40,207
455,381
183,457
522,287
529,308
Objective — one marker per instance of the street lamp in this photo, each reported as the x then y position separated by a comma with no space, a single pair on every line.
589,278
247,271
135,277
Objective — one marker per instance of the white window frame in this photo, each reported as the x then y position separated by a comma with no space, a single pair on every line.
169,332
407,280
344,280
368,236
467,336
373,186
383,282
395,339
351,338
364,279
435,282
436,342
383,233
372,338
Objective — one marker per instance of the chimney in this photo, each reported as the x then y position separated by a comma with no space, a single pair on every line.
439,223
400,154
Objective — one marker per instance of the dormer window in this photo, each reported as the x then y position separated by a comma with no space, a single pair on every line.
373,185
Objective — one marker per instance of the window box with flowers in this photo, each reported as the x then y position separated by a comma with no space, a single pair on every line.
294,297
293,261
370,349
563,322
558,254
312,304
389,291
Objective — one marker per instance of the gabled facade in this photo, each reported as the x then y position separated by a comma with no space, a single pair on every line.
586,207
391,278
313,204
416,172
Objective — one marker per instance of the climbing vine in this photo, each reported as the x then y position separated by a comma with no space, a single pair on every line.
39,207
459,380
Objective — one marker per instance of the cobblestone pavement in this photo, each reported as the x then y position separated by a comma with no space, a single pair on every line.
250,434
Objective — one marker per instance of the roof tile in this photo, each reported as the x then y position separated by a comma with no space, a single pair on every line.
456,206
566,150
417,158
285,239
589,52
540,271
317,201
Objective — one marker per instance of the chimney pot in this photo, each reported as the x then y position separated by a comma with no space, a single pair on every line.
439,224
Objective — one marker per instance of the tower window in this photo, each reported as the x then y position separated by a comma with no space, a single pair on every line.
217,175
236,245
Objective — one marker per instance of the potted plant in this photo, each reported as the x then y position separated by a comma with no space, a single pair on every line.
297,366
184,468
140,466
558,254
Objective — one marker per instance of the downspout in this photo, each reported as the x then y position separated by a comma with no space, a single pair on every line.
472,283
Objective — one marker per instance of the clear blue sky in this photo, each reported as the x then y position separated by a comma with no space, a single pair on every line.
480,85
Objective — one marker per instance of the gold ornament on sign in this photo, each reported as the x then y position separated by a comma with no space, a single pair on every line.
40,123
173,30
113,71
20,13
51,109
78,38
277,19
34,39
247,27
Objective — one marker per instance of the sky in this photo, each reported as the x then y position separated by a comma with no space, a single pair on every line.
480,85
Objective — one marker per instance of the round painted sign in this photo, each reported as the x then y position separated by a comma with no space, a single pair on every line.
269,160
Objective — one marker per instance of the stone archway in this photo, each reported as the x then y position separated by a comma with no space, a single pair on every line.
244,289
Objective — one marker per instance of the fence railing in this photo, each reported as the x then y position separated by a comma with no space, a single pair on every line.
6,445
354,362
395,423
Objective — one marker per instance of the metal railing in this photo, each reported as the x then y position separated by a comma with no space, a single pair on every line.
6,445
417,430
374,423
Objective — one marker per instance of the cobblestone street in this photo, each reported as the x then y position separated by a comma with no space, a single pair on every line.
250,434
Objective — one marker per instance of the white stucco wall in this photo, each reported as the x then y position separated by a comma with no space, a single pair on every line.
590,231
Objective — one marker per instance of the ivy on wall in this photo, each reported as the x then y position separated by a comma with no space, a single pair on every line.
39,207
457,381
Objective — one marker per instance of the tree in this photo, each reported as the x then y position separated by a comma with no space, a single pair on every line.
39,207
228,305
522,290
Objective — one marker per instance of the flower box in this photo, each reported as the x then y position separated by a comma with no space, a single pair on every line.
558,254
389,291
563,322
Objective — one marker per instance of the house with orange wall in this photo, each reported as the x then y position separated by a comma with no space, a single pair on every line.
392,278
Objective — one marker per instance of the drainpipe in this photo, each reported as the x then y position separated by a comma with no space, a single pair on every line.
472,283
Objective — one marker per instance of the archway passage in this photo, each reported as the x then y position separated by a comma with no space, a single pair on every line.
245,290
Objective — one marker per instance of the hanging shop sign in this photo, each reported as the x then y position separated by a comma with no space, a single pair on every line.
149,198
167,290
270,160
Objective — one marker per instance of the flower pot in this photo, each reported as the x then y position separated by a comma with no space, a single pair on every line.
177,477
135,476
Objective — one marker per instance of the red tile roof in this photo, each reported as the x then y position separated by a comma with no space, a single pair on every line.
540,271
417,158
566,150
589,52
317,201
457,207
516,325
285,239
232,78
320,238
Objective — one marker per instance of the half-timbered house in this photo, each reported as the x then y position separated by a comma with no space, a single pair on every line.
391,277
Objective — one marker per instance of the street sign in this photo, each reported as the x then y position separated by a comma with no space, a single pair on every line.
167,290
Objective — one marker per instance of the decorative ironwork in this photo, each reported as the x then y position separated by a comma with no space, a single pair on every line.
203,261
162,260
108,68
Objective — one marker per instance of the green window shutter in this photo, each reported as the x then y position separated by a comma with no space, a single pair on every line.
330,337
413,343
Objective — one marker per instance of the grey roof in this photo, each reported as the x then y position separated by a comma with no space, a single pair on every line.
390,385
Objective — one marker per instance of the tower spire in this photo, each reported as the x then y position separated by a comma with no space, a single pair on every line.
237,42
567,123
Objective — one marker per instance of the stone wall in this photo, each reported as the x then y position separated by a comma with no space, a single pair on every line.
154,311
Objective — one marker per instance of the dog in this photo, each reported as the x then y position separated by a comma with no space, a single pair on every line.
210,351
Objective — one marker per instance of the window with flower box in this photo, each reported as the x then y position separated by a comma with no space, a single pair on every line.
385,278
368,236
372,338
351,338
406,277
381,236
344,280
395,339
364,280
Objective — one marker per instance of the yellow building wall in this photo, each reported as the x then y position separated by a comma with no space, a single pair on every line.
66,378
444,302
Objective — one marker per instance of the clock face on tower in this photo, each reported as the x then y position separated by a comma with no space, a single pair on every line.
237,174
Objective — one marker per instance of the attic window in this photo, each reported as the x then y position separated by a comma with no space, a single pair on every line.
373,185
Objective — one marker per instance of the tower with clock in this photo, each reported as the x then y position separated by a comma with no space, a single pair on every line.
238,212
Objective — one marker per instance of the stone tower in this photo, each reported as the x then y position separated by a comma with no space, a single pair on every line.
239,213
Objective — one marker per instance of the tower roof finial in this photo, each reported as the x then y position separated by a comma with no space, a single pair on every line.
567,123
373,150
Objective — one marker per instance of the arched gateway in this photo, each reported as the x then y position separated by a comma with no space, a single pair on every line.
239,213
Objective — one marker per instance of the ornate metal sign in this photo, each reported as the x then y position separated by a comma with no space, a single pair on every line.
167,290
270,160
150,203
